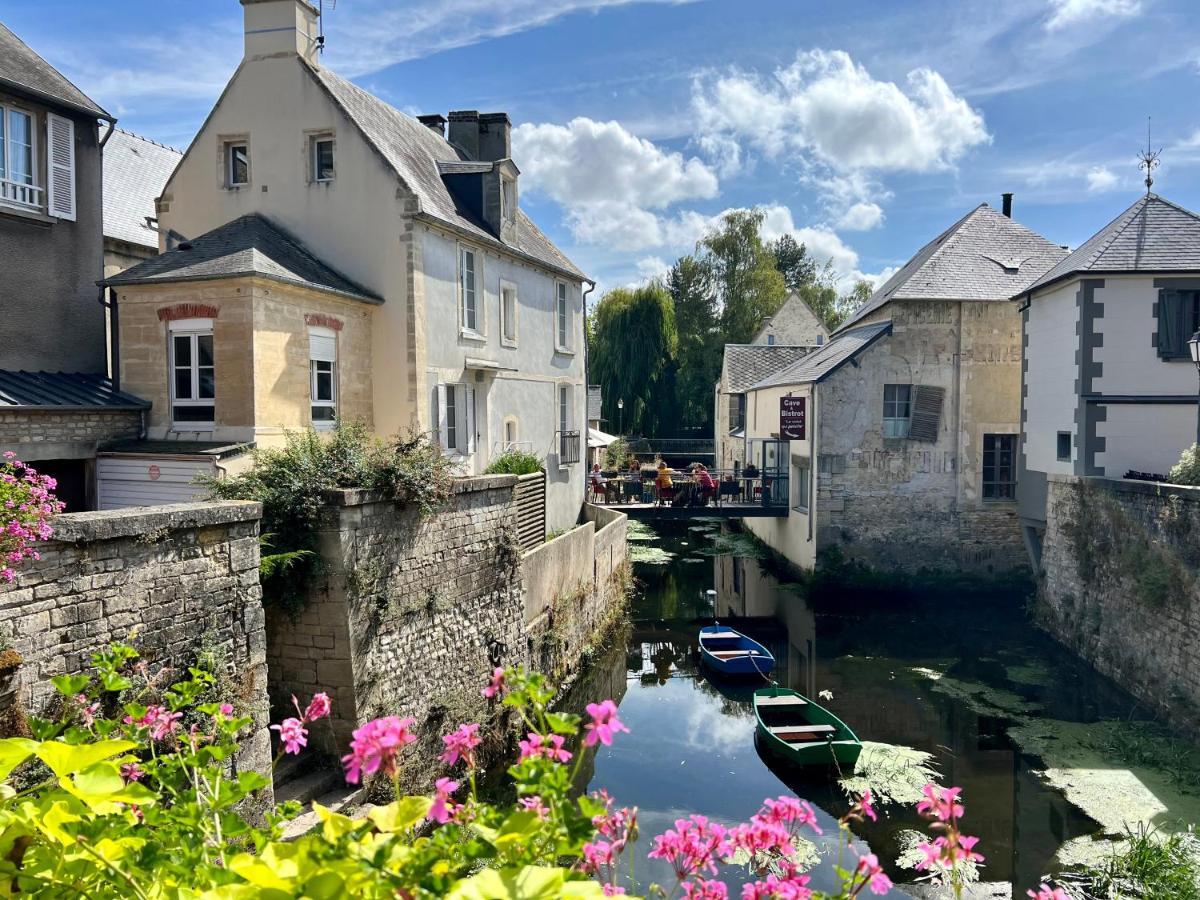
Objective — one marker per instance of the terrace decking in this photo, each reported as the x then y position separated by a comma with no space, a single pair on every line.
729,510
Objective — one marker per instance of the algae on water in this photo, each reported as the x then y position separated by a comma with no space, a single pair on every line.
1032,674
636,532
909,857
892,773
650,555
736,543
981,698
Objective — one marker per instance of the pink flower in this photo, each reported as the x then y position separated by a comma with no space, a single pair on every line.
551,747
318,707
616,824
461,743
758,836
872,873
496,686
376,746
788,811
132,772
941,803
701,889
534,804
443,808
791,887
692,846
1045,892
864,804
965,843
160,722
604,723
292,734
931,853
598,855
87,711
611,890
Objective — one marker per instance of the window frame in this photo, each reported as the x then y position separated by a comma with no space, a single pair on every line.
1058,446
1186,324
193,330
1002,491
802,476
508,199
478,331
314,362
510,288
228,158
6,143
564,318
565,422
895,402
314,143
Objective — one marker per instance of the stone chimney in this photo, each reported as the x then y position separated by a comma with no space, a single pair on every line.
435,122
495,137
281,28
464,131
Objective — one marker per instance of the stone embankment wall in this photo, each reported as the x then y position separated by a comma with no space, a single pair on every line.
1120,562
411,614
178,582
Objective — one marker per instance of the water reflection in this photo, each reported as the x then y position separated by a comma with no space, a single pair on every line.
692,747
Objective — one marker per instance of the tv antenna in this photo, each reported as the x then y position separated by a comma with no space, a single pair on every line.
1148,159
321,22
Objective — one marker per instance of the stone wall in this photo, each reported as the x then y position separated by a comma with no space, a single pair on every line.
35,434
1120,560
412,614
174,581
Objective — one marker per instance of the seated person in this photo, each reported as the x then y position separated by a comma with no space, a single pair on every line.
599,482
708,487
662,481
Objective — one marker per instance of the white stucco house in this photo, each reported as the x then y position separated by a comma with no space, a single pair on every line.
1108,384
479,335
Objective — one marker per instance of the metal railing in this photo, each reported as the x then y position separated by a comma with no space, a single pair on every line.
568,447
16,193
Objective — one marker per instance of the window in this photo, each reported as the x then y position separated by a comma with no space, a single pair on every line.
237,164
17,159
1178,320
455,416
1064,445
999,466
563,314
451,417
322,364
897,410
467,288
770,340
508,314
322,158
737,412
193,373
801,472
510,433
568,439
508,199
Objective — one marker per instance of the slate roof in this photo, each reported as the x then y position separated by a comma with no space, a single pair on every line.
747,364
821,363
415,152
63,390
1152,235
250,245
136,170
21,68
985,255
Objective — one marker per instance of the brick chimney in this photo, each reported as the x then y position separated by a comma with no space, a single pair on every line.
464,131
495,137
281,28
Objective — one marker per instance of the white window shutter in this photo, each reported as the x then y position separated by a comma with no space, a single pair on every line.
439,395
469,415
60,152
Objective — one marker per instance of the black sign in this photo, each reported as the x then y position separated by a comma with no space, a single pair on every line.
791,418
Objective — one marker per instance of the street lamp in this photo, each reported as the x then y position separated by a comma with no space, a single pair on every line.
1194,348
621,401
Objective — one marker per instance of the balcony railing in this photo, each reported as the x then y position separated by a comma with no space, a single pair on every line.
16,193
568,447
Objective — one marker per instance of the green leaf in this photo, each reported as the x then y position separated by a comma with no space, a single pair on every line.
562,723
63,759
114,682
102,788
517,829
70,685
13,752
526,883
400,815
325,886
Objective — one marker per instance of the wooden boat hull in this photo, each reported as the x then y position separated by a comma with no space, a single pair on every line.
730,652
803,732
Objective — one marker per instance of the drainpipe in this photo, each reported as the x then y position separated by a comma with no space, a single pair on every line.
108,299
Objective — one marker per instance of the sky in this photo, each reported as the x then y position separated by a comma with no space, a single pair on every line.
863,127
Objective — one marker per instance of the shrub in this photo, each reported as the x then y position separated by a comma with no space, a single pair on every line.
514,462
27,502
1187,470
617,454
290,482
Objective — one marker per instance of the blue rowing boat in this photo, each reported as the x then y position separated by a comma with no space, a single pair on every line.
732,653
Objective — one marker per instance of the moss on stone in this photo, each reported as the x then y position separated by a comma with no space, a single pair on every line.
892,773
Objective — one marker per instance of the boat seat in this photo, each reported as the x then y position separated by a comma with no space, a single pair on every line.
720,635
733,654
781,700
801,733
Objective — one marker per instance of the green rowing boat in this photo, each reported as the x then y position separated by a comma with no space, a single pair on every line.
804,732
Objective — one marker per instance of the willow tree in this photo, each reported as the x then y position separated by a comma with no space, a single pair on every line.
690,283
632,356
749,286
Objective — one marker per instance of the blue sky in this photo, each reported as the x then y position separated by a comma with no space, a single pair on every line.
863,126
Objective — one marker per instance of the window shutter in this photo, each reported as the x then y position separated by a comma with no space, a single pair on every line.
322,345
926,413
468,444
60,144
1170,325
439,414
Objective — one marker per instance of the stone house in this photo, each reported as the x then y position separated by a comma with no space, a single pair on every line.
136,170
57,404
908,459
1108,384
478,337
781,340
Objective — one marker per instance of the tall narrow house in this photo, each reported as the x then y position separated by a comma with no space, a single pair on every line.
328,258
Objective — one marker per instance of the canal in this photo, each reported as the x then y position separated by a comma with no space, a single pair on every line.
932,683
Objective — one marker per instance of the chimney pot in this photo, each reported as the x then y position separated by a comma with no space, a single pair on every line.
1006,204
434,121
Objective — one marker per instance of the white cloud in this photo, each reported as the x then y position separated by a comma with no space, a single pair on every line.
650,267
1082,12
826,106
371,35
861,217
1101,178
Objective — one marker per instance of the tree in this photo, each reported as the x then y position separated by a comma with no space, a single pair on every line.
632,355
749,287
793,262
698,358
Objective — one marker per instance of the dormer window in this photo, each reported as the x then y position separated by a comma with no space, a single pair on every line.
237,164
508,199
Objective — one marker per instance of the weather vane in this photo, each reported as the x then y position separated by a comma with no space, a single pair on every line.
1149,158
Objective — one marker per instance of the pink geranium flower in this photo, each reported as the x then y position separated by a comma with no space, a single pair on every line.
318,707
132,772
292,734
1045,892
461,744
604,723
702,889
550,747
872,874
376,747
443,808
496,686
790,887
534,804
941,803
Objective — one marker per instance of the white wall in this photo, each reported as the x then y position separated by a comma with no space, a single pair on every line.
1144,438
1131,364
1051,401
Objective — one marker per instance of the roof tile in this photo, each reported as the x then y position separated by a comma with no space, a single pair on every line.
23,69
822,363
135,172
748,364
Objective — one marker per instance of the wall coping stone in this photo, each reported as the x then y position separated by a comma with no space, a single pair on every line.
1127,486
140,520
473,484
